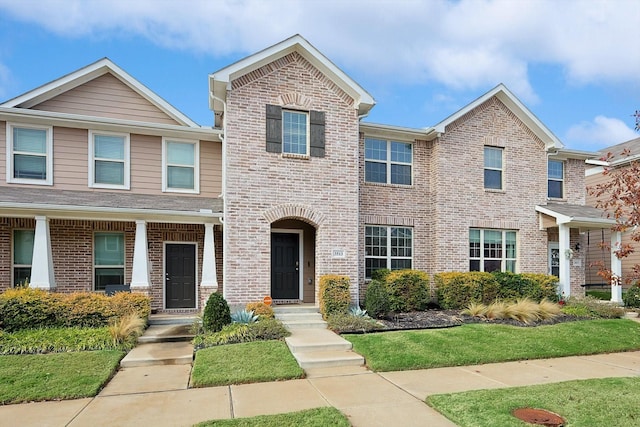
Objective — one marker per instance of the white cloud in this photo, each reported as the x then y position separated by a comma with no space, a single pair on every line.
599,133
466,44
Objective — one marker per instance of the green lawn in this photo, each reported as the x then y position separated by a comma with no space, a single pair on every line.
244,363
585,403
52,376
482,343
320,417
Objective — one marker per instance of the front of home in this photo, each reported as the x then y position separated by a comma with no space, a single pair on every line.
105,183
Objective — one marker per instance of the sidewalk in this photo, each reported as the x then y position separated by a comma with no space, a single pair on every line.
158,395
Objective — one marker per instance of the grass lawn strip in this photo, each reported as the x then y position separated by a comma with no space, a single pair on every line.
473,344
320,417
582,403
47,340
54,376
244,363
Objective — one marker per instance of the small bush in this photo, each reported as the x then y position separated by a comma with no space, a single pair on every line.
408,290
458,290
244,316
376,299
475,309
380,274
593,308
216,313
631,298
125,330
335,295
268,329
261,309
344,323
262,330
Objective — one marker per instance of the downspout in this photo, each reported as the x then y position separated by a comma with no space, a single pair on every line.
223,138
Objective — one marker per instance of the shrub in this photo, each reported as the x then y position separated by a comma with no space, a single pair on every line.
539,287
408,290
216,313
458,290
244,316
341,323
357,312
126,329
380,274
261,309
126,303
631,298
262,330
27,308
376,299
593,308
334,295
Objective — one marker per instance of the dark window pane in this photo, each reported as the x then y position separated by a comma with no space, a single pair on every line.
29,167
401,152
555,189
474,265
401,174
400,264
373,264
109,276
375,172
21,275
492,265
493,179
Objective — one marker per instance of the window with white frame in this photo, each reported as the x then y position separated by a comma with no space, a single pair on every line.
109,160
387,162
493,168
29,154
108,259
492,250
555,179
295,135
22,256
181,166
387,247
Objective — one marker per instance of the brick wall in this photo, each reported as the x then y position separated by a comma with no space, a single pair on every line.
266,187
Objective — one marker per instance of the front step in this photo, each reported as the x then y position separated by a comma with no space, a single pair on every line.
302,341
305,324
327,359
173,319
166,333
166,353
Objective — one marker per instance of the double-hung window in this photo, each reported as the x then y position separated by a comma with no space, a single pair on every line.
493,168
108,260
387,247
29,154
555,179
295,135
22,256
109,160
181,166
387,162
492,250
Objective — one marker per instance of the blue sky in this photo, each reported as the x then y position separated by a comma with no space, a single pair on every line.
575,64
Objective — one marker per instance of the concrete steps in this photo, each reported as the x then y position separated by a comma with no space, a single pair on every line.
167,341
313,345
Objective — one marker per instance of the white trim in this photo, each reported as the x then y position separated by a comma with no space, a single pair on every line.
42,272
49,154
562,180
388,162
388,258
196,166
127,161
501,169
300,233
209,268
306,114
140,266
164,275
503,241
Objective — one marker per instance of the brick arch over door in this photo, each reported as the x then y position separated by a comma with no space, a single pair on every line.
294,211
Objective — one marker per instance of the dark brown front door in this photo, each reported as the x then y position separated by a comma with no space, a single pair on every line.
180,275
285,266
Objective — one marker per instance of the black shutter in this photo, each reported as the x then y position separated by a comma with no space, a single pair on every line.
316,120
274,128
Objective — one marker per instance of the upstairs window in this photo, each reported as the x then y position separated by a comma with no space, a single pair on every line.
492,250
387,247
387,162
493,168
555,179
299,133
108,260
109,161
181,166
22,256
29,155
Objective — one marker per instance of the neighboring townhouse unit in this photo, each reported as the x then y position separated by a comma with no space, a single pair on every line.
107,183
596,254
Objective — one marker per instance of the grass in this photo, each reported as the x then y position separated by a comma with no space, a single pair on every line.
481,343
57,340
319,417
244,363
33,377
603,295
584,403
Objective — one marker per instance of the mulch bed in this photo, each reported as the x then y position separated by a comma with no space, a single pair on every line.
431,319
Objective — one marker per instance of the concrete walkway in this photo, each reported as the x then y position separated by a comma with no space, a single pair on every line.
159,395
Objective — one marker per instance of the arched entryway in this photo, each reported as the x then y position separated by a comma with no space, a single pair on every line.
293,246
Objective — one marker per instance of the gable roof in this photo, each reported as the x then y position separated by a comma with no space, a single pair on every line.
633,146
220,80
88,73
517,107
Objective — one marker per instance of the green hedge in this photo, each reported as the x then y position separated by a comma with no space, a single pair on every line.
457,290
335,296
408,290
28,308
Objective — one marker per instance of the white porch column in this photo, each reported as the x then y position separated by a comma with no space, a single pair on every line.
564,247
140,270
209,276
616,268
42,275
